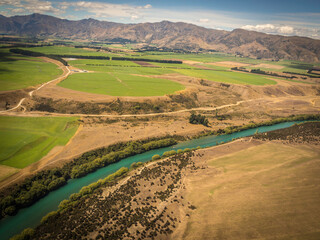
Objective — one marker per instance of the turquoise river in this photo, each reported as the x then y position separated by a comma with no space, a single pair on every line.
31,216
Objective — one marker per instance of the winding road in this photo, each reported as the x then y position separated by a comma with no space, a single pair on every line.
65,74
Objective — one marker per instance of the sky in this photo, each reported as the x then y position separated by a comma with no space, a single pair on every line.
284,17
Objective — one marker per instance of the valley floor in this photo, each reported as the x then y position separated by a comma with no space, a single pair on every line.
252,188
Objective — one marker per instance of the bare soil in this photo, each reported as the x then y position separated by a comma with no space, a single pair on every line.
229,64
271,66
144,64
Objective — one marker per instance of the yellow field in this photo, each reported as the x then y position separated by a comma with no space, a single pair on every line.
271,191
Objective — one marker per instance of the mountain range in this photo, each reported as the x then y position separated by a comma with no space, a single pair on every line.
167,34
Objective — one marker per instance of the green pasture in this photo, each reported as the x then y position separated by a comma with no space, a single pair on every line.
102,63
25,140
18,72
120,84
227,77
114,66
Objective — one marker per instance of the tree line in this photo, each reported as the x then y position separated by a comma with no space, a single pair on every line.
38,54
232,129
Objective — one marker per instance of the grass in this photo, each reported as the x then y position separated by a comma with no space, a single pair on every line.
18,72
26,140
103,63
270,191
120,84
227,77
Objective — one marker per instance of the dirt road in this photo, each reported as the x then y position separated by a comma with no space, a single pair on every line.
64,75
36,114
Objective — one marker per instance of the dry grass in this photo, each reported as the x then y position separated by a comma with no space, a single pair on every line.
6,171
271,66
229,64
270,191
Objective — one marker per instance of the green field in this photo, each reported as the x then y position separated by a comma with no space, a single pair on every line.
116,78
120,84
18,72
26,140
113,66
227,77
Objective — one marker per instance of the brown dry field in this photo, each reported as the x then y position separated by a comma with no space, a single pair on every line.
229,64
258,191
145,64
6,171
271,66
246,189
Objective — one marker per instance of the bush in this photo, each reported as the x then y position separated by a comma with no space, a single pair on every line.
187,150
49,215
169,153
156,157
136,165
25,235
10,210
198,119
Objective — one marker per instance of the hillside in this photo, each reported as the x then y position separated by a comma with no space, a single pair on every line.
167,34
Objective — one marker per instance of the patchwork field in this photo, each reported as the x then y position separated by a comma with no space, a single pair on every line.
269,191
18,72
27,140
119,78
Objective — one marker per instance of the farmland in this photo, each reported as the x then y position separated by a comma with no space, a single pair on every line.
19,72
228,77
119,78
119,84
27,140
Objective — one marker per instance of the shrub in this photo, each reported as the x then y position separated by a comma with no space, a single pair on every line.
136,165
25,235
187,150
156,157
49,215
169,153
198,119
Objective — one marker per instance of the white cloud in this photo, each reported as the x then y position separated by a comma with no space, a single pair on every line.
134,17
286,30
270,28
109,10
30,6
147,6
204,20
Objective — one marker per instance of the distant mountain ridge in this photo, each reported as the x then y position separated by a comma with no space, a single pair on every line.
167,34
